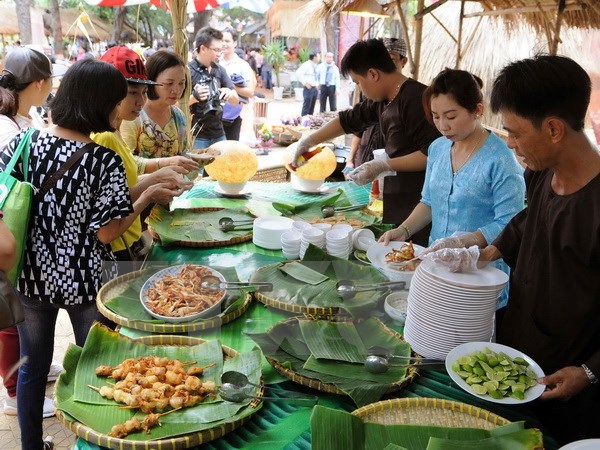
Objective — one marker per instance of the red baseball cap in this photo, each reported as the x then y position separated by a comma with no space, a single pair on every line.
129,64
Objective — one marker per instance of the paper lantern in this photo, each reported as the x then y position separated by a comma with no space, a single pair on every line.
320,163
237,164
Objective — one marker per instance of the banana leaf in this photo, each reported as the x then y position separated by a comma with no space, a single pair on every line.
337,341
530,439
394,447
106,347
285,344
289,290
352,433
128,304
302,272
311,205
189,226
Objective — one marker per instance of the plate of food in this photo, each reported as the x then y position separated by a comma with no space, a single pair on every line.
175,294
495,372
384,257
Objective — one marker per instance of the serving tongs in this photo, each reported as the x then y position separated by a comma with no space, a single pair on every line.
329,210
346,289
400,264
228,224
380,360
213,283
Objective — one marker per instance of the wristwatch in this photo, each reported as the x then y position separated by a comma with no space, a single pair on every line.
589,374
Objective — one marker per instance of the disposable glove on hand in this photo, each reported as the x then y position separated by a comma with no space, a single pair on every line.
303,145
368,171
455,241
457,259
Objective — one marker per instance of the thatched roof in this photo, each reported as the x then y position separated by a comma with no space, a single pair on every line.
536,13
100,31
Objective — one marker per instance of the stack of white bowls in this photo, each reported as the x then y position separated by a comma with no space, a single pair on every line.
311,236
267,231
338,243
290,244
447,309
300,226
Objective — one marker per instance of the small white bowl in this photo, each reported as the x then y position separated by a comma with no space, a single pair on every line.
232,188
342,227
396,305
323,226
291,237
306,185
361,233
291,255
313,234
364,242
300,226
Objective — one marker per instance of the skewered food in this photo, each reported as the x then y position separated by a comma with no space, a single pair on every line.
182,295
153,384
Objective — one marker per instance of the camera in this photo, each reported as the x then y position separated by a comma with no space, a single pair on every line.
212,105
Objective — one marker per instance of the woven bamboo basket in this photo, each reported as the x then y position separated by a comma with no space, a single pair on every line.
205,244
309,311
429,411
120,284
313,383
273,175
176,443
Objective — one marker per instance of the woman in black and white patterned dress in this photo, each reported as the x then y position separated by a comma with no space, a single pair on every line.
70,225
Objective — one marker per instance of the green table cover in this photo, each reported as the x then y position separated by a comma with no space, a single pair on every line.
278,425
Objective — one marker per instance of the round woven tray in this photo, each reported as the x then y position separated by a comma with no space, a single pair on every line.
173,443
206,244
118,285
429,411
313,383
312,311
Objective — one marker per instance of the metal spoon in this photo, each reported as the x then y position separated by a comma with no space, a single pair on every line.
381,364
212,282
346,289
329,211
228,224
234,384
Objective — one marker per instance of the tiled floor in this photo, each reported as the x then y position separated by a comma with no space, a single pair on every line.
10,434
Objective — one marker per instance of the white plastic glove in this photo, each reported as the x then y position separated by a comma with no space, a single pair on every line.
368,171
303,145
459,239
457,259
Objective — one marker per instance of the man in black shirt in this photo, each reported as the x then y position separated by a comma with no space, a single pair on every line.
211,87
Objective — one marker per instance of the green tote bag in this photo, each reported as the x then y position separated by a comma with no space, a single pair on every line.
15,201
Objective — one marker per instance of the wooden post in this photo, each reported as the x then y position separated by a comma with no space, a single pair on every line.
418,39
460,32
361,35
409,52
559,16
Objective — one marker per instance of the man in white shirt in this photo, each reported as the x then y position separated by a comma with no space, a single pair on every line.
307,76
244,80
329,82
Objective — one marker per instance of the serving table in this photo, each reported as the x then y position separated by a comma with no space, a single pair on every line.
279,425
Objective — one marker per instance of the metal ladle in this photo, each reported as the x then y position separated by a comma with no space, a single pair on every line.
329,211
381,364
228,224
233,385
346,289
212,282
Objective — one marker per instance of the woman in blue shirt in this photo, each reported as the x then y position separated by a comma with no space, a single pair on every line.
473,182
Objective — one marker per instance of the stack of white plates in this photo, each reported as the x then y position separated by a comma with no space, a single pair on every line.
267,231
311,236
447,309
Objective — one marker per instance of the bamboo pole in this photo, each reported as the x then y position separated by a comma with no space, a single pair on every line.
361,36
409,52
460,33
559,17
180,45
418,38
444,27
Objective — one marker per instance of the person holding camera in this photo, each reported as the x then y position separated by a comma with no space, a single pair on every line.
211,88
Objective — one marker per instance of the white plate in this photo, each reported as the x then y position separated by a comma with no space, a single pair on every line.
174,271
488,277
584,444
324,189
470,347
376,254
243,193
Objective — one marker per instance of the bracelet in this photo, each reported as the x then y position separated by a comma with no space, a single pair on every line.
405,228
589,374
